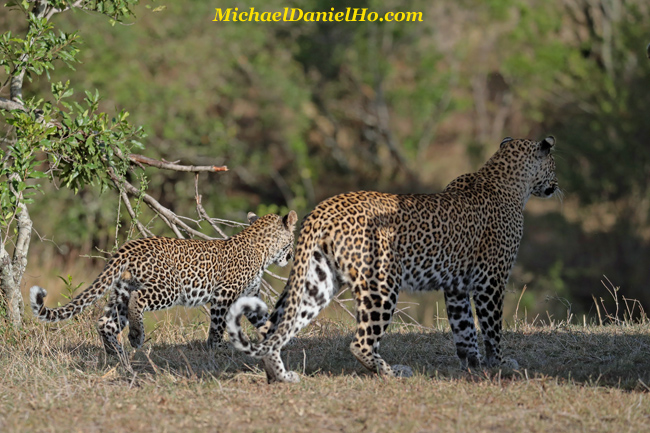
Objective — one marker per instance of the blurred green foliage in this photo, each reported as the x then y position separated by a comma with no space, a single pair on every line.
300,111
70,142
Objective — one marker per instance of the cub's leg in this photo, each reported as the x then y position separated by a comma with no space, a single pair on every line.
489,310
218,311
148,298
114,319
461,320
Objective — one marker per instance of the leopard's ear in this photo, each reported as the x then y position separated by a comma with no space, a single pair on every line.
252,217
505,140
547,144
290,220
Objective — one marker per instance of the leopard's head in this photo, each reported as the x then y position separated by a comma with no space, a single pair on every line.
545,181
534,161
279,232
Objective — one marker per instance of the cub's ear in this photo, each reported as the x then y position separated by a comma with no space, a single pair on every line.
505,140
290,220
252,217
546,144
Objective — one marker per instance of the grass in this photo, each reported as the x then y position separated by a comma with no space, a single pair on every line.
572,378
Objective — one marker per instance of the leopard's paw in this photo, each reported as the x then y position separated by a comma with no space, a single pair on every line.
136,337
401,370
510,363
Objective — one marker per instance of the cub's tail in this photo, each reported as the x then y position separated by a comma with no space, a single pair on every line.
104,281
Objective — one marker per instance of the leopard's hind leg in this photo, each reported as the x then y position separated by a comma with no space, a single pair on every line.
275,371
461,321
147,298
375,279
114,319
320,286
376,300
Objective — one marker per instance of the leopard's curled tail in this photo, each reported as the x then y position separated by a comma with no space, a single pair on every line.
103,282
293,311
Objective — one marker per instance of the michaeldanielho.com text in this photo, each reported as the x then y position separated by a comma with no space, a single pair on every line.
297,14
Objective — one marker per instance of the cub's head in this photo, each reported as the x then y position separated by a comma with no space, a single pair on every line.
534,160
275,233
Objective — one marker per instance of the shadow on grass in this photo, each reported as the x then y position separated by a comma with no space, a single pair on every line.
610,356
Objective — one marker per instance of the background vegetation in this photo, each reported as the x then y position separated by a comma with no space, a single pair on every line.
301,111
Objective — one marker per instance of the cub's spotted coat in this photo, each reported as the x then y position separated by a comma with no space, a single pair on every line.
157,273
463,241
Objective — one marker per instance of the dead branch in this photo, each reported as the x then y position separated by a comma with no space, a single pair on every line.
203,215
170,218
276,276
52,10
139,159
143,230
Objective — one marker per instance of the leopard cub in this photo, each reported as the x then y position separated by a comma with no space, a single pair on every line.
157,273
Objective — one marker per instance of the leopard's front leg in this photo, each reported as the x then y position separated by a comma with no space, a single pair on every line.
218,313
489,311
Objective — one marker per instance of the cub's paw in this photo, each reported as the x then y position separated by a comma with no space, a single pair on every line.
136,337
215,345
401,370
474,361
510,363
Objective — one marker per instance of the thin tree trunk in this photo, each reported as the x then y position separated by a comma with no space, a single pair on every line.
12,269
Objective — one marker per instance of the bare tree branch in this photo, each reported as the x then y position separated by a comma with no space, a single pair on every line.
139,159
52,10
143,230
170,218
201,211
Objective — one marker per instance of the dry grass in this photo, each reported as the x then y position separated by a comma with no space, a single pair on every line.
572,378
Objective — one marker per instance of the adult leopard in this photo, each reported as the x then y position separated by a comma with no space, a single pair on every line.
157,273
463,241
